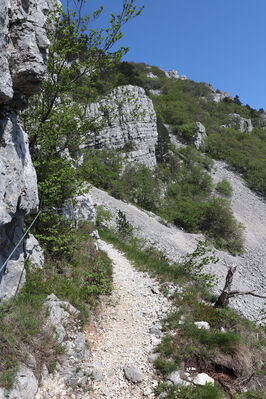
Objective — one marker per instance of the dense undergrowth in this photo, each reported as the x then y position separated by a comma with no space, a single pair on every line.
78,279
231,351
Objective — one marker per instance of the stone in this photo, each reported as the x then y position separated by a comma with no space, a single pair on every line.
242,124
34,252
202,325
151,75
202,379
175,378
153,357
155,92
81,208
172,74
26,385
219,96
128,122
59,312
132,373
147,392
155,331
200,135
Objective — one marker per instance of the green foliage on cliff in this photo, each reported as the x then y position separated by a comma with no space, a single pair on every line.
55,120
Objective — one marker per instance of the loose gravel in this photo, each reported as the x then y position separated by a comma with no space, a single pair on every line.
127,330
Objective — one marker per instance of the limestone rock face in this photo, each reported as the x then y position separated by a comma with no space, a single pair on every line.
23,51
219,96
242,124
25,387
172,74
262,122
129,122
34,252
200,135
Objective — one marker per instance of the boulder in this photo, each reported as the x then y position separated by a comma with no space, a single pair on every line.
172,74
242,124
34,252
151,75
175,378
25,387
132,373
202,379
200,135
59,312
202,325
219,96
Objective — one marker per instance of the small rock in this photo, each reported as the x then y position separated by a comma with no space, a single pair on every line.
175,378
203,325
155,331
147,392
153,357
132,373
202,379
97,375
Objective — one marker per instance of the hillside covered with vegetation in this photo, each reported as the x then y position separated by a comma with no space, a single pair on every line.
82,69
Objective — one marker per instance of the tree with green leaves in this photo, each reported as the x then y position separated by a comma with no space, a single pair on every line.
56,123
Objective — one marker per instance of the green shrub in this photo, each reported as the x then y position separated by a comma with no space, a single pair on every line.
224,187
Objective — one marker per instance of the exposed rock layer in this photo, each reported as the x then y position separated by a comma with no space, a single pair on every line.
23,51
129,123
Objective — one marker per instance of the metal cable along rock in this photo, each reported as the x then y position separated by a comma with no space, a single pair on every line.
2,268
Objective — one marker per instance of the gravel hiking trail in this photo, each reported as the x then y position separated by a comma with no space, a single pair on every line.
125,333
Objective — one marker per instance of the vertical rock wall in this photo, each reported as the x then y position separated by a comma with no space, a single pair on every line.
129,123
23,52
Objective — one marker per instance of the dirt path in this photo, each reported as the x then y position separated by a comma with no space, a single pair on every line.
122,335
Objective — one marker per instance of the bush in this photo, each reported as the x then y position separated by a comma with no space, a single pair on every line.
220,225
224,187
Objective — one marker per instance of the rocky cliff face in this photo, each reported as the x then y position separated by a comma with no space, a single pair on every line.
23,52
129,123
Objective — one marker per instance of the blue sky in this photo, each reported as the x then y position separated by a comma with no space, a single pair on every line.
221,42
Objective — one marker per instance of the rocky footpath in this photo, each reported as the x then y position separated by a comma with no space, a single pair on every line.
127,121
175,243
23,52
124,335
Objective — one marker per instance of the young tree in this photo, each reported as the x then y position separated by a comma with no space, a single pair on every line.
56,124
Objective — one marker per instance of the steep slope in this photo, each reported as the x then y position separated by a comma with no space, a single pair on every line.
175,243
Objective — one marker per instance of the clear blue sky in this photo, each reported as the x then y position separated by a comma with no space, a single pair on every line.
222,42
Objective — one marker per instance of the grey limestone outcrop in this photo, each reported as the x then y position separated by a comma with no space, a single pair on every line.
240,123
172,74
25,387
219,96
23,52
129,123
34,252
200,135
